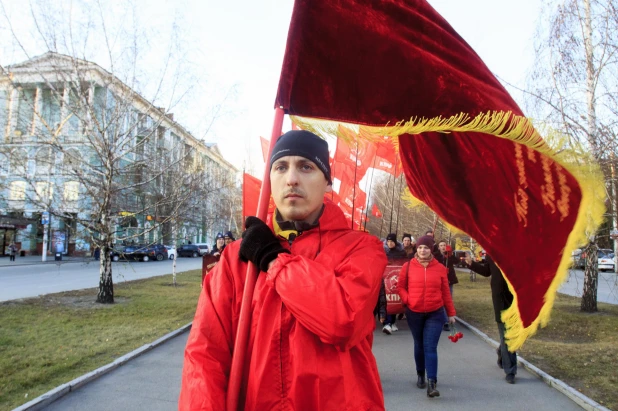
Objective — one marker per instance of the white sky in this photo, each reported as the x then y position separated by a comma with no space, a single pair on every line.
236,48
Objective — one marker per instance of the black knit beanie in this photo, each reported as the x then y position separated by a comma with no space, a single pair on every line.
304,144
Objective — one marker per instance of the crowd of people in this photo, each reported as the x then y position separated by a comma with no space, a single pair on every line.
312,308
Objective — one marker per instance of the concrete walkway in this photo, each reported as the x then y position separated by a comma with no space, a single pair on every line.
36,259
468,380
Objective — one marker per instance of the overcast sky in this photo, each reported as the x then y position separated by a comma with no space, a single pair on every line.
234,49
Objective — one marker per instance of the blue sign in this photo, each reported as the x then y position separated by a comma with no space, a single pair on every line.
45,217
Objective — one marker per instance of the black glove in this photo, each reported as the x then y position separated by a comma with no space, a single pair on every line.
259,245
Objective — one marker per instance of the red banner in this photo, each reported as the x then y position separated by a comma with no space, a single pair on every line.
251,194
399,69
393,301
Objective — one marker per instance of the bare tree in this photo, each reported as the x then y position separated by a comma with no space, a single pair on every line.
574,88
104,154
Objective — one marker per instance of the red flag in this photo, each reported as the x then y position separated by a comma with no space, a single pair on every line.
375,211
250,195
265,145
399,69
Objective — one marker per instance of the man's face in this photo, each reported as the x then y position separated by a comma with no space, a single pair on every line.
442,247
391,244
406,242
220,242
228,240
298,187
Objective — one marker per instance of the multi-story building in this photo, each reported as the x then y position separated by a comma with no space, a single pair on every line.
81,145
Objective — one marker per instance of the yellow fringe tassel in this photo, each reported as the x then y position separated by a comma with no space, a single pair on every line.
520,130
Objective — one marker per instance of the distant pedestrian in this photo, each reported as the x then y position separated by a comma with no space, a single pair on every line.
97,253
12,251
423,288
229,238
219,245
409,245
502,299
447,259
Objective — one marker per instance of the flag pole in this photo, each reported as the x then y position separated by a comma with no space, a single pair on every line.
244,321
399,205
370,187
390,224
354,186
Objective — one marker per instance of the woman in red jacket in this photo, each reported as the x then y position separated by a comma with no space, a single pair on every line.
423,288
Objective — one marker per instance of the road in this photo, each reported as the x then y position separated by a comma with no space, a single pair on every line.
33,280
607,289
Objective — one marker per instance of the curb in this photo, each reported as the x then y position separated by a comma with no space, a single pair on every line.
44,400
574,395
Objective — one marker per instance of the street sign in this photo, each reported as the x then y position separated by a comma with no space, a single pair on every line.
45,217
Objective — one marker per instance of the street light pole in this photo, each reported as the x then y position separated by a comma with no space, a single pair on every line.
45,222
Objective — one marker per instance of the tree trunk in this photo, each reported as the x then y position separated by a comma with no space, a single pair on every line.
591,277
106,285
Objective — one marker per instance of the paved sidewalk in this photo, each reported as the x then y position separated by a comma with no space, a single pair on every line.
468,380
36,259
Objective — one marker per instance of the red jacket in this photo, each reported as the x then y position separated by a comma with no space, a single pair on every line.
425,289
311,327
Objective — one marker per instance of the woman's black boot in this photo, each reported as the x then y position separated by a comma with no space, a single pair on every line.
431,389
420,383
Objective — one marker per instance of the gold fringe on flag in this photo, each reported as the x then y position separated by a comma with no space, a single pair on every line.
520,130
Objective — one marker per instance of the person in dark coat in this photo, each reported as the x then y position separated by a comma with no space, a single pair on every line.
392,248
449,261
219,245
394,251
409,245
502,299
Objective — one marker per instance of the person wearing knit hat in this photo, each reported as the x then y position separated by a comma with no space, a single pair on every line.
219,245
229,238
394,251
318,282
423,288
408,245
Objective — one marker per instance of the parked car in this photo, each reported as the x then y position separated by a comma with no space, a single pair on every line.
203,247
145,252
171,252
188,250
460,255
115,253
605,259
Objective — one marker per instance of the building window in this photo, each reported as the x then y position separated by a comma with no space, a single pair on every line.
25,111
71,191
50,108
19,162
71,162
17,191
44,161
4,164
44,191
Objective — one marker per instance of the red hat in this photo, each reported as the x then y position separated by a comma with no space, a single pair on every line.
425,240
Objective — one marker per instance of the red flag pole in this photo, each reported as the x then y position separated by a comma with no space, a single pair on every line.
244,321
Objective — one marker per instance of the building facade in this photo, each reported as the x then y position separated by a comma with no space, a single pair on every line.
82,146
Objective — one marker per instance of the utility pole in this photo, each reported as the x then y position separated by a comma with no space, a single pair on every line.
45,222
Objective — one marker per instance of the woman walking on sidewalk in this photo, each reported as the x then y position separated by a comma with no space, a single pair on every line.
423,288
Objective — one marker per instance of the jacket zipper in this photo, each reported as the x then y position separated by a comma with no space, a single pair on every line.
281,356
425,291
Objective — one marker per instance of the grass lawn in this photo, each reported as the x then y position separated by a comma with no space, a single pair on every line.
50,340
579,348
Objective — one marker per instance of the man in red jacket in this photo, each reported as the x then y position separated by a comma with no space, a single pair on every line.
312,315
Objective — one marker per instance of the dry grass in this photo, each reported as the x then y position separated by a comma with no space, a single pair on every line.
50,340
578,348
